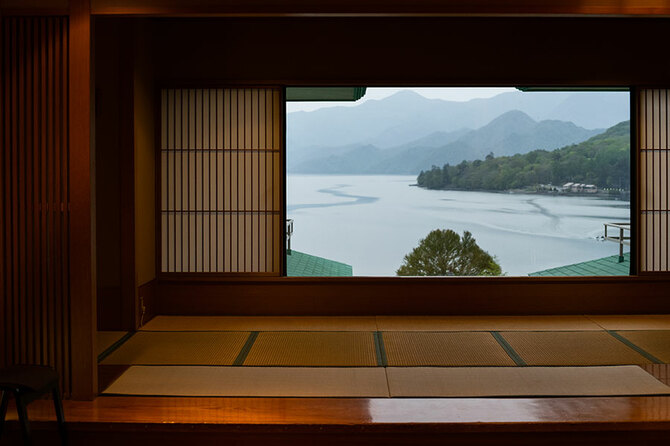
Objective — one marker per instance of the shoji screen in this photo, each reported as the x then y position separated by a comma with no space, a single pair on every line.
221,180
34,194
654,166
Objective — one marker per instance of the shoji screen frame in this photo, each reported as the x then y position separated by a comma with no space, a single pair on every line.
652,138
280,250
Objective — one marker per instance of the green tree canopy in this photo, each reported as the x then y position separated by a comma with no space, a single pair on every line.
444,253
603,160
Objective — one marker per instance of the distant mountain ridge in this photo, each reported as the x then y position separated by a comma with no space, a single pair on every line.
407,116
510,133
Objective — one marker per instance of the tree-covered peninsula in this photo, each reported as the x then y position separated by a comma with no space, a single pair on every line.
603,160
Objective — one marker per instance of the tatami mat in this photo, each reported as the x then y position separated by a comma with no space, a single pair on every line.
106,339
251,382
165,348
484,323
633,322
572,348
260,323
372,382
343,349
522,381
655,342
444,349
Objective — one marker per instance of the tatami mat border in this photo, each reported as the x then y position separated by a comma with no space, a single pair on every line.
544,351
380,349
658,350
635,347
518,360
246,348
109,350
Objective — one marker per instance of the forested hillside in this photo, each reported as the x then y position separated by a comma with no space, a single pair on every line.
603,160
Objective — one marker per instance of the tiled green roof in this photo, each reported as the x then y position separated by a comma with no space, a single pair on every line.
299,264
607,266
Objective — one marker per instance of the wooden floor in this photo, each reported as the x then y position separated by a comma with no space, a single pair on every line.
167,421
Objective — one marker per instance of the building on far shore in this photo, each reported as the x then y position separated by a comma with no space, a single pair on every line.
580,188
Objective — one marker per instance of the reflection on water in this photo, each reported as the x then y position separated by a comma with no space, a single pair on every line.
371,222
358,199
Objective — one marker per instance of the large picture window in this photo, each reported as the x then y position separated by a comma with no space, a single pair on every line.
464,182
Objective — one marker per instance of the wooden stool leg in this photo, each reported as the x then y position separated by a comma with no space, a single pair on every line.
3,409
23,419
60,415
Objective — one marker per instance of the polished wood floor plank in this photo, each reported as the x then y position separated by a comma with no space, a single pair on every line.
133,421
450,414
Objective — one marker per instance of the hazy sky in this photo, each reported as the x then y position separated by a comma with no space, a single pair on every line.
449,94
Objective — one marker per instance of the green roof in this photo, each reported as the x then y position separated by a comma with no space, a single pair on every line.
299,264
324,93
607,266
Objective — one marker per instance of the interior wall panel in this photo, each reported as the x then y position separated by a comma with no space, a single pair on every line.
519,7
145,148
34,193
654,179
421,51
220,180
34,5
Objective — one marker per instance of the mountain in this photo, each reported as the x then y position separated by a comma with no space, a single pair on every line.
355,160
603,160
510,133
407,116
435,139
327,159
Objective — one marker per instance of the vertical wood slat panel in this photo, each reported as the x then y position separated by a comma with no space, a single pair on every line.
65,75
33,308
24,205
41,87
34,214
220,180
22,179
14,199
654,181
5,356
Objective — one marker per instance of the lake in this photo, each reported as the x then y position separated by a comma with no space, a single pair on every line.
372,221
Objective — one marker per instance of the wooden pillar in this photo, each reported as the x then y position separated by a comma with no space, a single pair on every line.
82,205
129,321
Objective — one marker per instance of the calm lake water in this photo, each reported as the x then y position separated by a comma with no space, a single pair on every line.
372,221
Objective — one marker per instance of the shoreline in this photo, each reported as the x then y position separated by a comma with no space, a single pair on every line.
624,196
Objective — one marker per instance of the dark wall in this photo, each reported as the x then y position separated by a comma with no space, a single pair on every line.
125,162
114,59
421,51
107,173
